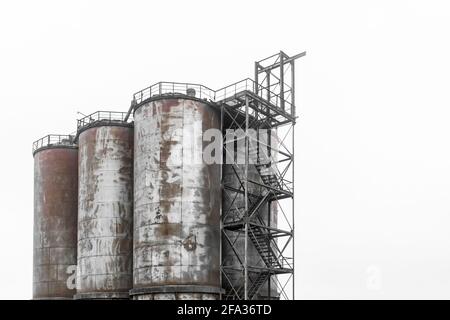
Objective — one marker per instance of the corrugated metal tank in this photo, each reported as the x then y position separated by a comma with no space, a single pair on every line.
105,216
238,239
177,201
55,220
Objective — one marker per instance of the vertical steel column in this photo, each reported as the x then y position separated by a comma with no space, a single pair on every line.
256,77
246,203
282,80
293,213
221,207
293,177
256,83
268,90
269,217
293,88
293,112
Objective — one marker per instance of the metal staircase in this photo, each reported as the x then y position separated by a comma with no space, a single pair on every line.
257,283
264,167
235,214
260,239
258,233
264,182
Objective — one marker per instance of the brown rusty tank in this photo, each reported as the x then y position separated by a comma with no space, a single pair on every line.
105,215
55,217
177,200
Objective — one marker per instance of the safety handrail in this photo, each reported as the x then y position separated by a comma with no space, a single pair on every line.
250,85
161,88
53,140
203,92
100,116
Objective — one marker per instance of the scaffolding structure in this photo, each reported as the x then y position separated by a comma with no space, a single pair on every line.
263,111
267,104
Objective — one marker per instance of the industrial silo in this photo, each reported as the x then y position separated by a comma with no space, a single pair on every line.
105,206
177,200
55,217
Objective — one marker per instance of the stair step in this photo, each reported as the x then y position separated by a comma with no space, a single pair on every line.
260,237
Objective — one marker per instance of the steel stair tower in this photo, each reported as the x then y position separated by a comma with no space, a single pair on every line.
257,109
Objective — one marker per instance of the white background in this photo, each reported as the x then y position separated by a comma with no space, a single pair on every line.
372,155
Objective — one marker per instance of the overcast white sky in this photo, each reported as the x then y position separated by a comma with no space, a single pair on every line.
373,162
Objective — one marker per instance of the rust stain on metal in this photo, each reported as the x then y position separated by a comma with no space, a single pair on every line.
190,243
55,221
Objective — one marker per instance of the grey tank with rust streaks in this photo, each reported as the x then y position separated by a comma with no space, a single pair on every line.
55,221
177,202
238,239
105,216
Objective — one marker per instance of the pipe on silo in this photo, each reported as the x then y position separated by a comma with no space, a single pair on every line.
176,202
105,216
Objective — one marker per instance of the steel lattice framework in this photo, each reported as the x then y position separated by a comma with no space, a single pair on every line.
264,105
258,200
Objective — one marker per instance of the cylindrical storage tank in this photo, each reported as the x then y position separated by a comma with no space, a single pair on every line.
105,214
177,200
55,217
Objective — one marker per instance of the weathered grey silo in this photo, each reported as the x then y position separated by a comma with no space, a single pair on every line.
177,200
55,217
105,206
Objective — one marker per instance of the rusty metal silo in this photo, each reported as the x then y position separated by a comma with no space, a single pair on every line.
105,214
55,217
177,200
